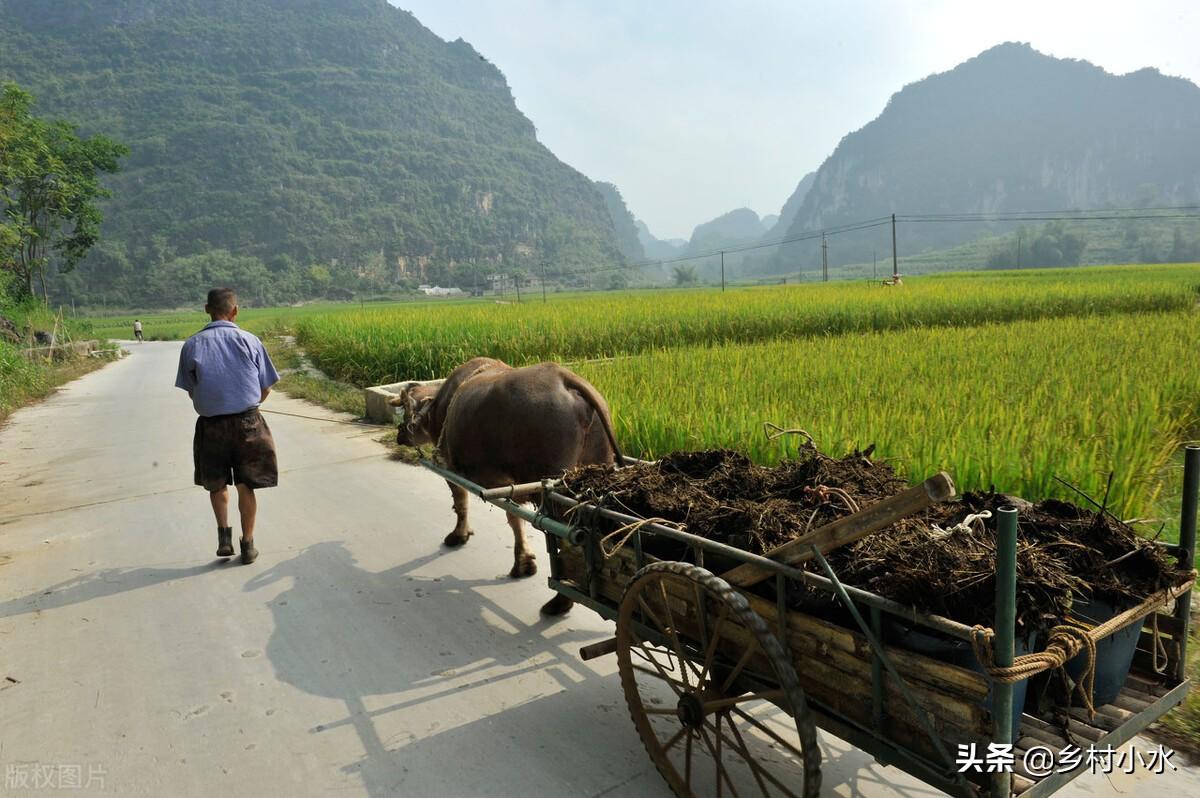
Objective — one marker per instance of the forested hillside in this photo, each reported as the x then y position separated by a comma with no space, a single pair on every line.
623,222
336,134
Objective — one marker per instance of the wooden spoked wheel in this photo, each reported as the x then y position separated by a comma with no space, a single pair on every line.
713,695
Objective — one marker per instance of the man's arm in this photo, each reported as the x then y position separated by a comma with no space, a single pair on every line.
267,375
185,375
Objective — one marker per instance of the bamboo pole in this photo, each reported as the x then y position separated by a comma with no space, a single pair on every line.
850,528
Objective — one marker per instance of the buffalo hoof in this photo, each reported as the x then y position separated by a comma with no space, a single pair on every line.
526,566
456,538
559,605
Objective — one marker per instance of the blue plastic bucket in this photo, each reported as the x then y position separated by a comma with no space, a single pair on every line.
959,652
1114,654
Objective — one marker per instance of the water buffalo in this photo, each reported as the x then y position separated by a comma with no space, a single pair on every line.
497,425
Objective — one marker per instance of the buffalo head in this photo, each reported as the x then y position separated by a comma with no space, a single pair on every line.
414,401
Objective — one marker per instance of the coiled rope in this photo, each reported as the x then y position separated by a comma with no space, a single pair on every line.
1066,641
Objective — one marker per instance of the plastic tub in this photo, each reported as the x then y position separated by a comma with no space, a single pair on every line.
1114,654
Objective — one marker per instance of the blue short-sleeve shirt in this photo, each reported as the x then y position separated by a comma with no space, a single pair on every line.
225,369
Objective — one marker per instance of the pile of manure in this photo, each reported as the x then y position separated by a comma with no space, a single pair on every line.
931,561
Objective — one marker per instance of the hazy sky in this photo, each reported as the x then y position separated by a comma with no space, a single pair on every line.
693,108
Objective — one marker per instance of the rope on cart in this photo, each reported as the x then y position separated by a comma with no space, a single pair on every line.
627,531
1066,641
1158,649
773,431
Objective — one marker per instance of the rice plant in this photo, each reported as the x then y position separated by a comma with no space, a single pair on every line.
429,340
1006,405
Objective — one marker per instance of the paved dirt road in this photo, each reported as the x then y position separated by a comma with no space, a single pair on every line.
355,656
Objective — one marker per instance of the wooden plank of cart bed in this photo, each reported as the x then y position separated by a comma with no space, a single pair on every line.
1049,737
828,638
1108,717
1116,739
1144,685
851,675
850,528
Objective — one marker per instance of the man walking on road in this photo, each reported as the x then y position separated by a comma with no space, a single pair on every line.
228,374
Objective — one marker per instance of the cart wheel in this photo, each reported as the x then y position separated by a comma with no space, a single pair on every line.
705,681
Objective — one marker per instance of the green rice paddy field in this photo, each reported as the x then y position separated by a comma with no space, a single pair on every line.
1004,379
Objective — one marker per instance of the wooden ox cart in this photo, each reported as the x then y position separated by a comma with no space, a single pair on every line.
726,682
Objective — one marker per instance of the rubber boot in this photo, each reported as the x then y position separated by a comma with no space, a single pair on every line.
224,541
249,553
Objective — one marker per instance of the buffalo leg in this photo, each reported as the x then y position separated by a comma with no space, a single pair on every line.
462,530
524,563
558,605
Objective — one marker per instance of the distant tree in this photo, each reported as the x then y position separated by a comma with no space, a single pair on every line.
1003,257
1055,245
318,279
684,274
49,185
617,281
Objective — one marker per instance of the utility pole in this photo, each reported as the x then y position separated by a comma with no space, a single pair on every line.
543,281
824,258
517,283
1018,249
722,271
895,263
874,274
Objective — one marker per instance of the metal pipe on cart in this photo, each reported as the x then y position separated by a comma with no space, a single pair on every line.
945,625
540,520
1187,550
1005,641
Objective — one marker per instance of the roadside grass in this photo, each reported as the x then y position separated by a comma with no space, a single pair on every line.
23,382
316,388
338,396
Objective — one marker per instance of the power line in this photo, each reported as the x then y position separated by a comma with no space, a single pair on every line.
1054,211
1107,214
977,220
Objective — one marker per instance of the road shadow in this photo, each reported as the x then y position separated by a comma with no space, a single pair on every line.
100,584
577,742
853,772
355,635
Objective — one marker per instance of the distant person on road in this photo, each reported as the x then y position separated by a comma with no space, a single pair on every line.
137,330
228,374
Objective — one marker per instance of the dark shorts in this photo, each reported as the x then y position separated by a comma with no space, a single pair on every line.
234,450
